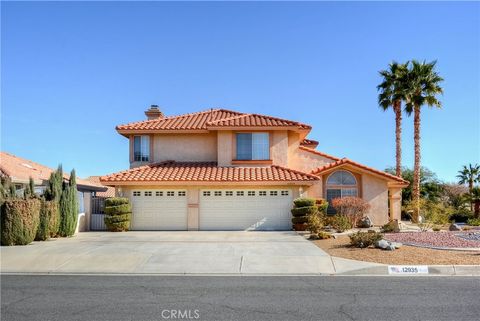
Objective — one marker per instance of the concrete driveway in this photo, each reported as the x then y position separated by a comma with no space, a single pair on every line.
171,252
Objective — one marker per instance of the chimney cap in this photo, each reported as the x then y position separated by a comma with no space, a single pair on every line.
153,112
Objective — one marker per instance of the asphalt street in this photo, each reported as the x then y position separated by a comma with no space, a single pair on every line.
150,298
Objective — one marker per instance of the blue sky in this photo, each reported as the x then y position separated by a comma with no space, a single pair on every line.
72,71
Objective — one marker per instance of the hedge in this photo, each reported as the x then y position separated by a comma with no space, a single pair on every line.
19,221
303,211
118,218
114,201
118,213
119,226
43,232
54,217
300,220
303,202
118,209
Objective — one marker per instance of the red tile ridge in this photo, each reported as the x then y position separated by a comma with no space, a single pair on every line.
314,151
295,123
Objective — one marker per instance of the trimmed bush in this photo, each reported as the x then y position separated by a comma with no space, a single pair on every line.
43,232
118,212
54,217
304,211
304,202
19,221
365,239
340,223
315,222
115,201
322,235
300,220
118,209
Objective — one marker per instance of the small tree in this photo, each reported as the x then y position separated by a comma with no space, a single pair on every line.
354,208
68,207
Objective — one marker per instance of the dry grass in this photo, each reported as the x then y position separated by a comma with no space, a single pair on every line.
405,255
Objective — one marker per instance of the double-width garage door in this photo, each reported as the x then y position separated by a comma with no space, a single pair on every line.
248,209
159,210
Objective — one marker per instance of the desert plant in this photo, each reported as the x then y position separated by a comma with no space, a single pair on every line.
315,222
118,213
364,239
302,202
19,221
340,223
389,227
322,235
352,207
474,222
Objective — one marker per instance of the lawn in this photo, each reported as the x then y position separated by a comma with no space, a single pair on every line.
405,255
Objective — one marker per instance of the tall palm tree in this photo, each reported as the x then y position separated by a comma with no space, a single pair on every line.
392,94
422,88
469,175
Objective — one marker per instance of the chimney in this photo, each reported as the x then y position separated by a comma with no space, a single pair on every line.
153,112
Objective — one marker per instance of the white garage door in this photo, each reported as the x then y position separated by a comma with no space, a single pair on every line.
265,209
159,210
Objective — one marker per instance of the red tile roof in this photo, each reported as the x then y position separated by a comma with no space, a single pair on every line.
210,118
110,192
206,172
309,142
344,161
316,152
21,169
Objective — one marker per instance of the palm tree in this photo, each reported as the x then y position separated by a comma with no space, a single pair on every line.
391,95
422,88
469,175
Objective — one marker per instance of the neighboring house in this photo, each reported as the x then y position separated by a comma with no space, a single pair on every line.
225,170
109,192
19,170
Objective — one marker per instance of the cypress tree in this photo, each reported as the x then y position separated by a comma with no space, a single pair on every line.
72,222
65,209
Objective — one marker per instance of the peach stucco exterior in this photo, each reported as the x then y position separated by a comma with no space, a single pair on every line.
285,150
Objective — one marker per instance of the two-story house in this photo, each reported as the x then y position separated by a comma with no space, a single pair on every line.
225,170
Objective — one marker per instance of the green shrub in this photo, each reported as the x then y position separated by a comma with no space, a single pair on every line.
303,202
322,235
304,211
300,220
389,227
322,207
118,209
364,239
19,221
340,223
43,232
118,212
461,216
473,222
315,222
436,229
114,201
54,217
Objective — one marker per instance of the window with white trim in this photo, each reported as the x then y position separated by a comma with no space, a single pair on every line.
141,148
253,146
136,193
158,193
147,193
340,184
240,193
262,193
182,193
251,193
206,193
229,193
284,193
217,193
170,193
273,193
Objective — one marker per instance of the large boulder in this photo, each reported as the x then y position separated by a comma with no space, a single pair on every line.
365,222
382,244
454,227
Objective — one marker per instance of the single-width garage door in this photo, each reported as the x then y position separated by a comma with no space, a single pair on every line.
249,209
159,209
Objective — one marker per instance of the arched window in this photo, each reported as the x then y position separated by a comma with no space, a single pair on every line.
340,184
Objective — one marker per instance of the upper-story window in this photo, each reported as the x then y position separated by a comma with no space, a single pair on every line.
253,146
141,148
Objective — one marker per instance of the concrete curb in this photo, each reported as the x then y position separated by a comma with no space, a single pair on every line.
433,270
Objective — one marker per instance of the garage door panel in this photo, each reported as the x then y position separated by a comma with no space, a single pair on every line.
159,210
246,210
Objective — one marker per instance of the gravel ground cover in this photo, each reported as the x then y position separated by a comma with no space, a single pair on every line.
405,255
437,239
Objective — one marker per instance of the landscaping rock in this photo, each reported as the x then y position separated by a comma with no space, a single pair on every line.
365,222
454,227
396,244
382,244
390,247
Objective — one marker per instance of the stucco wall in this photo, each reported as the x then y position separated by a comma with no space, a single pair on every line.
224,147
279,148
185,147
306,161
375,192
